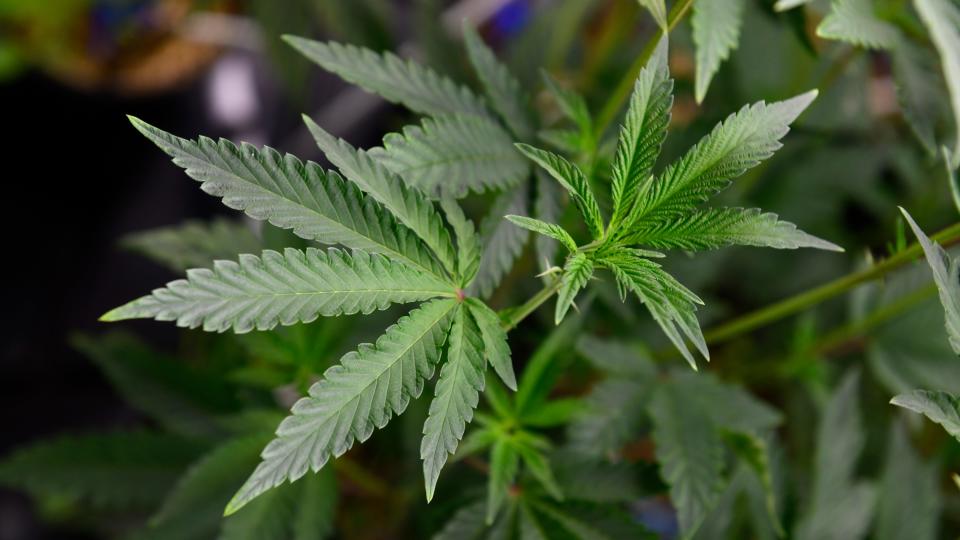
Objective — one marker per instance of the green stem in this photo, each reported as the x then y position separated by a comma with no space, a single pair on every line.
799,302
620,94
511,317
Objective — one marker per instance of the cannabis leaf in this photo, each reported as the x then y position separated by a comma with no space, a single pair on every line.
854,21
416,87
369,386
315,204
659,210
940,407
453,154
942,18
502,243
295,286
194,243
716,31
946,273
908,487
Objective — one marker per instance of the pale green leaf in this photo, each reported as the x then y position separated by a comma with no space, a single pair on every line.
920,91
502,241
182,399
576,274
752,450
716,31
454,155
407,203
468,523
658,9
315,204
719,227
840,508
690,455
539,467
362,393
909,487
194,507
572,104
642,134
503,90
405,82
468,242
504,462
194,243
855,22
289,288
946,273
729,406
611,416
573,180
495,345
672,306
113,470
547,206
740,142
550,230
457,394
784,5
304,510
553,413
942,18
940,407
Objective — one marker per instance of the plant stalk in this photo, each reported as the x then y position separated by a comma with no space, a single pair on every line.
511,317
622,92
804,300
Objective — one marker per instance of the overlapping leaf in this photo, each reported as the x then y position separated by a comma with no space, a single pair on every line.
362,393
315,204
502,88
405,82
295,286
716,31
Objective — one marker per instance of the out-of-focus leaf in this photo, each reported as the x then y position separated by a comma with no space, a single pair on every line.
194,244
942,18
908,488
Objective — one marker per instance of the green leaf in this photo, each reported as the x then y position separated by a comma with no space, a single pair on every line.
839,507
296,286
502,242
468,243
946,273
580,520
729,406
182,399
112,470
408,204
572,179
642,134
453,155
546,364
576,275
457,394
304,510
194,243
504,462
740,142
942,18
784,5
716,31
539,467
690,454
547,207
194,507
468,523
920,91
503,90
671,305
855,22
573,106
940,407
658,9
553,413
909,487
718,227
612,414
368,387
495,345
550,230
405,82
290,194
617,358
752,450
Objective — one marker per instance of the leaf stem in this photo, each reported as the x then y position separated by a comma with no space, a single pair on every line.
620,94
799,302
511,317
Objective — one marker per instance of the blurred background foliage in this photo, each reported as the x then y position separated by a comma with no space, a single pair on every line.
160,454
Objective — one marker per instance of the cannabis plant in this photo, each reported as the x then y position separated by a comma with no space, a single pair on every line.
403,247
